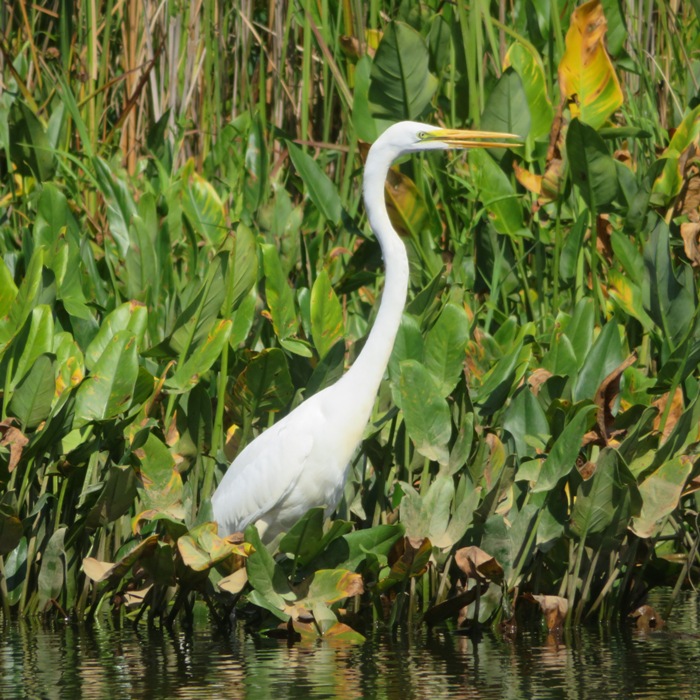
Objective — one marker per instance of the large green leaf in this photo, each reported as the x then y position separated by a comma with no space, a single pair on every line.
605,499
280,298
402,86
425,411
605,355
33,396
265,384
669,291
129,316
327,326
507,110
528,65
203,207
592,167
562,457
52,575
108,391
32,341
161,482
661,492
208,351
30,148
322,191
496,193
445,347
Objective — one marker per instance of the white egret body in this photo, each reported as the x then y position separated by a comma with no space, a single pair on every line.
302,461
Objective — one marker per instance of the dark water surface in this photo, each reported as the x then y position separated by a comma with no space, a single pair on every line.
70,661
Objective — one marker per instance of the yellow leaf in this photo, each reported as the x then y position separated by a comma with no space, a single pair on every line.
586,74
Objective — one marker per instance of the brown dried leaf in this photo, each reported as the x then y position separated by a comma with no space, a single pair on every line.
606,395
647,619
479,565
16,440
234,583
537,379
674,414
690,233
554,608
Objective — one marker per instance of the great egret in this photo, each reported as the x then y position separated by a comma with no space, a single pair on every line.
302,461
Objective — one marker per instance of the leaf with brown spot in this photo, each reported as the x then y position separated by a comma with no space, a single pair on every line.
479,565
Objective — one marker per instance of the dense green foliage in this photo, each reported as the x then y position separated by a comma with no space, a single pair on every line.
184,259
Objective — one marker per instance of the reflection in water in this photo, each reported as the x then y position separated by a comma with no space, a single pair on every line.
60,661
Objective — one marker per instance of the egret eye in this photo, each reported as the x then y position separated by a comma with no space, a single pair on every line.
422,135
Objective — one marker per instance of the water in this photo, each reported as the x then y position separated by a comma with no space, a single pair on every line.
71,661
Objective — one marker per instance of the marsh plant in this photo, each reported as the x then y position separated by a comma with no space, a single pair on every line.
184,258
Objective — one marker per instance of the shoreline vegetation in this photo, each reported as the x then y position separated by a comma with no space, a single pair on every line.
184,258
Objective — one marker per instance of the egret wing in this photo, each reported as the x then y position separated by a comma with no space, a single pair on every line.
264,474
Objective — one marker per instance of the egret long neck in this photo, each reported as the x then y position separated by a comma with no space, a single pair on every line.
372,361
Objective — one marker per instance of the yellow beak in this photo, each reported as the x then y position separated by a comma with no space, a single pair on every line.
462,138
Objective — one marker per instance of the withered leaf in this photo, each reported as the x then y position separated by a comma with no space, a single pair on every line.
479,565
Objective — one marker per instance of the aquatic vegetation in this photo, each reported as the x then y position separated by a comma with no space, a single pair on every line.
183,257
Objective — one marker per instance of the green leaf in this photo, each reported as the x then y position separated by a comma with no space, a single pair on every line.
32,398
496,193
203,207
592,167
661,492
669,292
322,191
562,457
204,356
243,271
401,85
33,341
8,290
161,482
201,548
604,499
327,327
507,110
51,575
108,391
425,411
306,539
266,576
526,422
280,298
265,384
528,65
572,249
121,208
605,355
500,379
30,148
129,316
445,347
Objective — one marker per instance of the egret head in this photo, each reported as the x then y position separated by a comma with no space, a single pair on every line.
409,137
